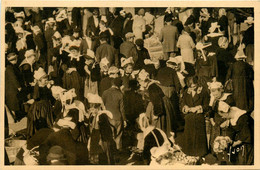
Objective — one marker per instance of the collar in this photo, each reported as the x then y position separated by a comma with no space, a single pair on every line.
224,96
79,106
236,112
73,56
148,130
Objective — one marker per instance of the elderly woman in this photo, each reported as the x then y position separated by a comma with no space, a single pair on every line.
160,110
194,106
75,73
242,126
218,96
41,102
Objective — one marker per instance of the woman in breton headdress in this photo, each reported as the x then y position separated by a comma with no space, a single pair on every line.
27,67
242,76
242,126
75,73
106,30
194,106
127,65
101,144
41,102
73,110
160,110
93,76
206,67
217,96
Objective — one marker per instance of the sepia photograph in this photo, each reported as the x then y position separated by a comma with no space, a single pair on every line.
124,85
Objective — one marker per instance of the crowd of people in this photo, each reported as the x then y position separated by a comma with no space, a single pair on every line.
84,79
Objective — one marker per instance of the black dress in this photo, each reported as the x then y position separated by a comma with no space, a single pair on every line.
40,109
75,79
244,131
224,60
194,141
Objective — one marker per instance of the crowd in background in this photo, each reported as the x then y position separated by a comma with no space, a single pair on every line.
82,77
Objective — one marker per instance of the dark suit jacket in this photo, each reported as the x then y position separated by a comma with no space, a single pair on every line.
106,50
128,27
168,37
91,26
168,77
113,101
11,88
117,26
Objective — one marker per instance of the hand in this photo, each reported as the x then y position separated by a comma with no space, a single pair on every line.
70,70
19,89
212,122
125,123
185,109
224,124
206,38
31,101
193,109
54,58
236,143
